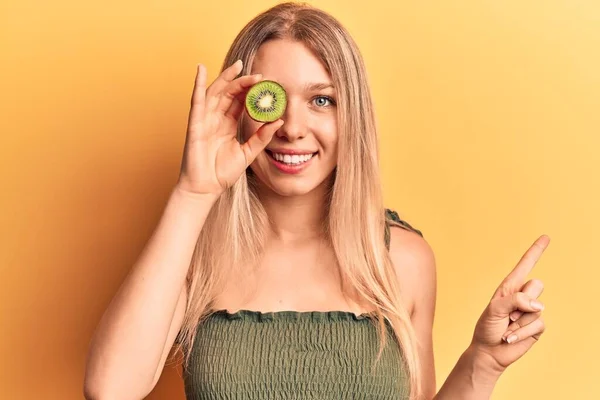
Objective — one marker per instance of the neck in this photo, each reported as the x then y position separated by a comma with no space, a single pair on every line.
295,218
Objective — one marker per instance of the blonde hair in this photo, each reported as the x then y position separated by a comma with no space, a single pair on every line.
235,229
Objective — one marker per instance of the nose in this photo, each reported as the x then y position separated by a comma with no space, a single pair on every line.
294,123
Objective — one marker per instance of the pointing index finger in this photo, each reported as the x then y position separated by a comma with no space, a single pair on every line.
518,275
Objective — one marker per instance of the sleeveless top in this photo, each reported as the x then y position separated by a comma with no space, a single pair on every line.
253,355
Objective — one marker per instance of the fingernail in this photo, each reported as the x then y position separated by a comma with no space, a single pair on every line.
536,305
511,338
506,335
513,317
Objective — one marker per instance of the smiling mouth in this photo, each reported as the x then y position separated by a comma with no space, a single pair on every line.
290,159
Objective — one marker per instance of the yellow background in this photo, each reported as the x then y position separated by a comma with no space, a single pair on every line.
489,120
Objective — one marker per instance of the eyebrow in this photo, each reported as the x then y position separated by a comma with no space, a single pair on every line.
311,87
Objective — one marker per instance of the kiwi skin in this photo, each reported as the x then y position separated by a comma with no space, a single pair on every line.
266,115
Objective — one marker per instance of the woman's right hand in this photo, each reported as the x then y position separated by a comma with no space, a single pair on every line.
213,159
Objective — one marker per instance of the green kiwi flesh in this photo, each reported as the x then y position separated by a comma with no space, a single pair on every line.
266,101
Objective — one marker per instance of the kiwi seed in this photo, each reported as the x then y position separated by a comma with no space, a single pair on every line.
266,101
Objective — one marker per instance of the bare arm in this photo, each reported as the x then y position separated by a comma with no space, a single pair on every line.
414,260
138,328
136,332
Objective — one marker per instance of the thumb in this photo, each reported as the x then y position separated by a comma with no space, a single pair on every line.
503,306
260,139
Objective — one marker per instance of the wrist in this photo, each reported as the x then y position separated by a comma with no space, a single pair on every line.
195,206
187,196
473,377
485,369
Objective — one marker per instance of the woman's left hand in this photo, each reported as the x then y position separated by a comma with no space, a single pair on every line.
514,300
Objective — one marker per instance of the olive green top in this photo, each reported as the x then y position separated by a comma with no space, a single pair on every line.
254,355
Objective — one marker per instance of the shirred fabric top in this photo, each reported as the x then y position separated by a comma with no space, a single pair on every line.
255,355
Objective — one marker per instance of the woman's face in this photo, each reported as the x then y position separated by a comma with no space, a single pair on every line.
310,125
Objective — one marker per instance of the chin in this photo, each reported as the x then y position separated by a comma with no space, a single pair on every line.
293,189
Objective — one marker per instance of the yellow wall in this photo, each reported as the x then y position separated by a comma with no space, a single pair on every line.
488,113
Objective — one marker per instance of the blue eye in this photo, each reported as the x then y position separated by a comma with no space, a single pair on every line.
324,101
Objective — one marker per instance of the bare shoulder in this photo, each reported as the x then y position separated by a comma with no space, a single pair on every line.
414,261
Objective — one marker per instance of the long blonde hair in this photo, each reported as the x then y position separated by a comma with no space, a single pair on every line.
235,230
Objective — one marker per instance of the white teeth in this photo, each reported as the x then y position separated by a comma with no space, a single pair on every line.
295,159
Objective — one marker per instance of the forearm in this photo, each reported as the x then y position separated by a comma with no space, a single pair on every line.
130,338
471,379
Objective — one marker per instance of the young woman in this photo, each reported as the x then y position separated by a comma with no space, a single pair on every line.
285,277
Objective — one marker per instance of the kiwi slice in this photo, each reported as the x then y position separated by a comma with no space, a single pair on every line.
266,101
